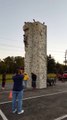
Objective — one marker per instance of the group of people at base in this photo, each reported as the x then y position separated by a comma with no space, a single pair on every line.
26,77
20,79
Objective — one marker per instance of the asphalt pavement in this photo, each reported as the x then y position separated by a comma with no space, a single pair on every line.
40,104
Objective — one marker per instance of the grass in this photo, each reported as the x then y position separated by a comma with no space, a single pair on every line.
9,77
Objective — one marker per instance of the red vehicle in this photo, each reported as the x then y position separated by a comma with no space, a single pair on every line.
59,76
65,75
62,76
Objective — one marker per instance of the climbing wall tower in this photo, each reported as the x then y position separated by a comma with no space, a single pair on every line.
35,40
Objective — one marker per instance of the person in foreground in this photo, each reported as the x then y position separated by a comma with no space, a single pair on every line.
17,93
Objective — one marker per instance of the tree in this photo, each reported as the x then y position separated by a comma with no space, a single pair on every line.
59,68
19,61
12,63
2,67
9,61
51,65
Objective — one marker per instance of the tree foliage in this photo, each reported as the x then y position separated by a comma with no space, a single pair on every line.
53,67
10,64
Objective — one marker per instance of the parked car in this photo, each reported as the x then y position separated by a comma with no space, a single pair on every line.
60,76
63,76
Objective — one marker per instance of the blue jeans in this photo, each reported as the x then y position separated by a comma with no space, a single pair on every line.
17,100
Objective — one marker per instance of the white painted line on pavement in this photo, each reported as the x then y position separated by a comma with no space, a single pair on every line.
2,115
46,95
6,102
61,118
34,97
5,91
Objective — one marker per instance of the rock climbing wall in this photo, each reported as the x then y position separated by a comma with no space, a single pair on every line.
35,40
